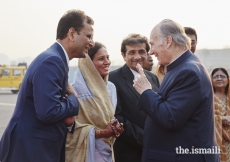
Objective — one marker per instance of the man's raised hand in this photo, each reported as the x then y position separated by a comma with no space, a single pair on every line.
140,82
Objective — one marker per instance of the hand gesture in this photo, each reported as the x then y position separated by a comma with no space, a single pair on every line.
112,129
140,82
117,128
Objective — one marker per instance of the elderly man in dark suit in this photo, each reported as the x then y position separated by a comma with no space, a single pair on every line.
38,127
128,147
179,125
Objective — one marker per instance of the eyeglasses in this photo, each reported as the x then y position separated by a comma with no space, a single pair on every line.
219,76
89,36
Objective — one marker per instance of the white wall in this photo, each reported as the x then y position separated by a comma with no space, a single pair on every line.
215,58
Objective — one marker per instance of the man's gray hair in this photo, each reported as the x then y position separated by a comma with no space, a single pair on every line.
169,27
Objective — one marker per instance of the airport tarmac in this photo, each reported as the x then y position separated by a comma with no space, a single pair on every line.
7,104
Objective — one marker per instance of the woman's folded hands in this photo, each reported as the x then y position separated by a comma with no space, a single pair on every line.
112,129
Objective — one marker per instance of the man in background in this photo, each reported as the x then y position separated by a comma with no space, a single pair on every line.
191,33
46,105
128,147
148,63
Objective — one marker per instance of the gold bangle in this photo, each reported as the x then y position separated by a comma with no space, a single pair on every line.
97,133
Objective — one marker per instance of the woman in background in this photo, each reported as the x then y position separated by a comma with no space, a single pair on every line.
95,126
160,72
220,82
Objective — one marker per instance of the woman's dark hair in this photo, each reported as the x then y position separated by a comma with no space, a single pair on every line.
93,51
72,19
225,72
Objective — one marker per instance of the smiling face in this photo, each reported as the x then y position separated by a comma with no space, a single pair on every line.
159,48
101,62
219,80
135,53
82,41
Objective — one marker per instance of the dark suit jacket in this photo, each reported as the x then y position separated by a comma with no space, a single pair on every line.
180,114
36,131
128,147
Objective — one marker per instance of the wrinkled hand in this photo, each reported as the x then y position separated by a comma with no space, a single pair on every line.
226,120
70,120
70,90
140,82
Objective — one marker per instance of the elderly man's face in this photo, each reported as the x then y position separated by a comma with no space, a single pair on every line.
159,48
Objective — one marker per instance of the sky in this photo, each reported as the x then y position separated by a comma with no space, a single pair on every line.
28,27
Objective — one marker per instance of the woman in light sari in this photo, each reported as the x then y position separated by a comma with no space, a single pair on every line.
95,126
220,82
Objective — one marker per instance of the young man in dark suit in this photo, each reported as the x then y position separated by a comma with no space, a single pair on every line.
180,121
191,33
128,147
46,105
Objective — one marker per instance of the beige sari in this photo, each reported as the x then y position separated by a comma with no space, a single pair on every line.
96,110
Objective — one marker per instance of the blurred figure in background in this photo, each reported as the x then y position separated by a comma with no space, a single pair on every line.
191,33
96,128
148,63
220,83
160,72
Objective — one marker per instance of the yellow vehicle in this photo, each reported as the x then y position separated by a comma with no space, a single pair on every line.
11,77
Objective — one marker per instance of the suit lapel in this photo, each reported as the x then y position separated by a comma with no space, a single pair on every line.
60,52
152,82
150,79
57,47
128,75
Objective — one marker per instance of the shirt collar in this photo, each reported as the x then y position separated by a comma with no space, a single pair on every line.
177,58
134,72
180,59
67,57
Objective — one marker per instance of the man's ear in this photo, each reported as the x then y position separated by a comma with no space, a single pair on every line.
169,41
123,55
70,34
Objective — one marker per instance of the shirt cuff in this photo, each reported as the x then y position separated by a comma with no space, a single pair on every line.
71,128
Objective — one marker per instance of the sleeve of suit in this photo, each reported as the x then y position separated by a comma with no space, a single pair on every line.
133,135
47,85
183,98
